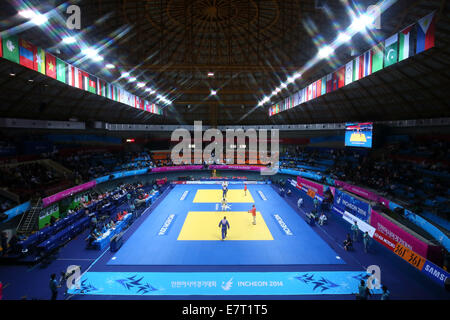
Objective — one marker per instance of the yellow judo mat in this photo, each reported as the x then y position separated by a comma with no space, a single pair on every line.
204,225
215,196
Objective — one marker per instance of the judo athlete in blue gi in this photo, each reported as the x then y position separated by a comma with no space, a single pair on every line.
225,225
224,191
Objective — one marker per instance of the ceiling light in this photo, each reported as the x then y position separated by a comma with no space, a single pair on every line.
213,92
343,37
283,85
98,58
140,85
132,79
325,52
69,40
110,66
290,79
362,22
39,19
210,74
27,14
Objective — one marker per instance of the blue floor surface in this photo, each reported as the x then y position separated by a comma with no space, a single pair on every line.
146,247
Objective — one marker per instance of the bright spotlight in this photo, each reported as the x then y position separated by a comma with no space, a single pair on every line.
110,66
27,14
90,53
362,22
343,37
132,79
297,75
140,85
213,92
325,52
69,40
39,19
125,75
283,85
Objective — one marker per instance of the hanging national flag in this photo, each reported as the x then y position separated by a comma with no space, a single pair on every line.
334,80
83,80
341,77
72,76
377,57
319,87
324,85
61,71
349,73
314,88
367,67
406,43
1,47
26,54
391,50
425,32
50,65
102,88
11,48
329,82
92,85
39,61
357,70
309,97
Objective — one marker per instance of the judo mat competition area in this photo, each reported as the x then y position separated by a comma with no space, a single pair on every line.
177,250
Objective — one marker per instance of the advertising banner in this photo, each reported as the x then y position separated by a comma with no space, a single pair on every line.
311,186
177,168
385,240
366,194
396,233
21,208
435,273
236,167
409,256
356,207
66,193
363,227
220,283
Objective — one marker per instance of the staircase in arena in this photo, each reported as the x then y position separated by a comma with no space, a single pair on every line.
29,221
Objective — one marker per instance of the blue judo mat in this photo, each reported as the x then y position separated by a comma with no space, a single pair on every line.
155,241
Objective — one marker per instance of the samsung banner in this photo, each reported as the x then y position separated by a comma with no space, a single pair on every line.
345,202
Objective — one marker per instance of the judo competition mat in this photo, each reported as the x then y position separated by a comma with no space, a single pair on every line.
187,232
175,247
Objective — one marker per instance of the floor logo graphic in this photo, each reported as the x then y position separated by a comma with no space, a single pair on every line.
227,285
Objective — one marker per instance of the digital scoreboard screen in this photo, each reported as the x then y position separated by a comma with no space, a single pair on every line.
358,134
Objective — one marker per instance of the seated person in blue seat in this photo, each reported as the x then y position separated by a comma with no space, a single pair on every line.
93,236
